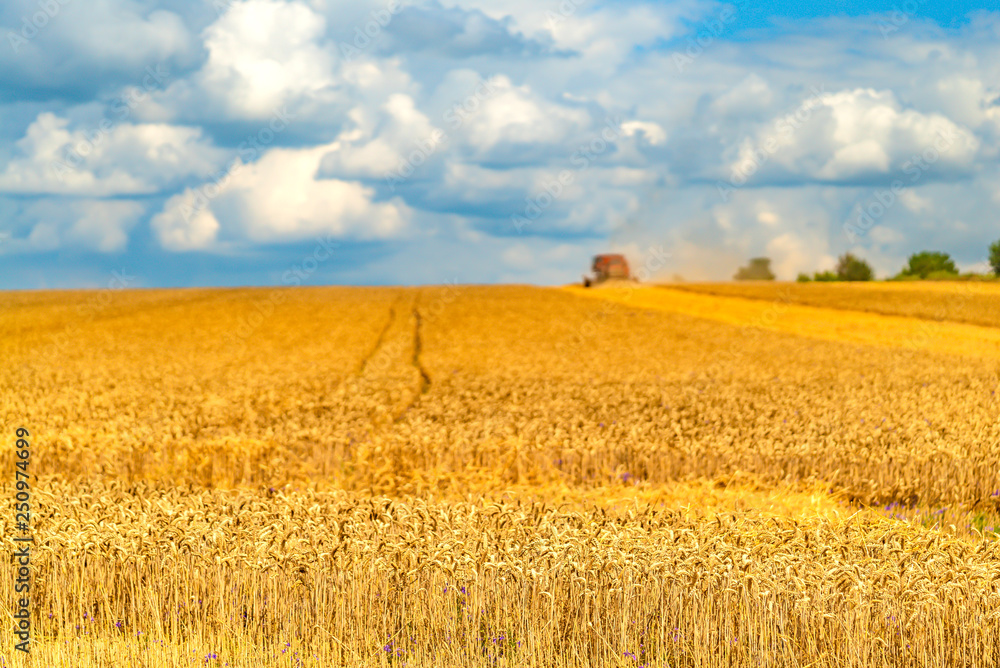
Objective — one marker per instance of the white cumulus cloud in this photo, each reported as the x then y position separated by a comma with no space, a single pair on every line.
112,159
276,199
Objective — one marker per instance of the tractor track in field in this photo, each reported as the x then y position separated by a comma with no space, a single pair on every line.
380,340
390,345
425,379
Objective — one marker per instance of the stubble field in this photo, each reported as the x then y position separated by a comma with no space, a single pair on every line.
505,476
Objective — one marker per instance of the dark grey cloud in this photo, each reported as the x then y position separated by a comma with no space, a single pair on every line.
67,51
457,33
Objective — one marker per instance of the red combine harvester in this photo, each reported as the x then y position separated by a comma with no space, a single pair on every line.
606,267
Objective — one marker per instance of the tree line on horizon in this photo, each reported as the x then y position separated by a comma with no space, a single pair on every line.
925,265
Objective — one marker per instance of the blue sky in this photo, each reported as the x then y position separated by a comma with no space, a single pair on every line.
286,142
756,15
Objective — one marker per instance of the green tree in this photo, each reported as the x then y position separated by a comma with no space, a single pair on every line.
925,263
851,268
995,257
759,269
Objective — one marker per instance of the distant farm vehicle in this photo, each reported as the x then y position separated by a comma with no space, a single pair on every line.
606,267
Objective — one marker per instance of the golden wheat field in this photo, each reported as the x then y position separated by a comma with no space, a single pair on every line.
505,476
976,303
